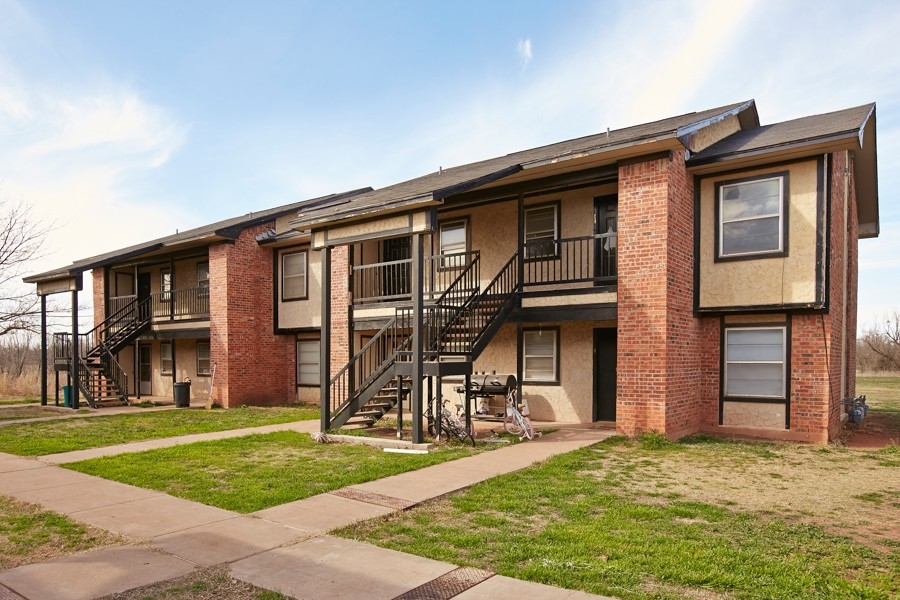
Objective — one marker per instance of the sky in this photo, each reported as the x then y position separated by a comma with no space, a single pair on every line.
122,121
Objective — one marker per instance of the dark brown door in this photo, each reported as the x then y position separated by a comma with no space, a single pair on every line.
397,276
605,374
606,223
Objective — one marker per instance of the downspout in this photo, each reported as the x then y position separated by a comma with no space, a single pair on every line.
844,310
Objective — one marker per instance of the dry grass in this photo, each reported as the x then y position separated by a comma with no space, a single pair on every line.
207,584
850,493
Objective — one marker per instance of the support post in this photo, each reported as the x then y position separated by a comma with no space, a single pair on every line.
137,369
520,361
418,293
399,407
438,404
43,350
325,344
76,393
520,267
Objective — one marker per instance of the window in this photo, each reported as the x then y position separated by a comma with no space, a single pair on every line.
755,362
165,358
307,362
751,216
165,284
541,355
203,363
453,242
293,276
541,230
203,275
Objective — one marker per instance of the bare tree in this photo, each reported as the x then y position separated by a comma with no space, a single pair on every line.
879,346
21,240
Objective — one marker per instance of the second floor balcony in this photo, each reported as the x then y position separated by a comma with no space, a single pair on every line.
161,307
546,265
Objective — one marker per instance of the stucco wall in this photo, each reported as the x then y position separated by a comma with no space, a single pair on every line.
775,281
295,314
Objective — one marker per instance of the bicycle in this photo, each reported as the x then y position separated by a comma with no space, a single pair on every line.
515,423
450,426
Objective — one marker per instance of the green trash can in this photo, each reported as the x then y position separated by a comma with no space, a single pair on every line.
67,396
182,394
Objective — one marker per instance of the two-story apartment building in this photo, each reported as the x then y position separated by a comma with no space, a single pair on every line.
692,274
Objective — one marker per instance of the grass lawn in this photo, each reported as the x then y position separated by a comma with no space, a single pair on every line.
882,391
17,400
30,534
12,412
251,473
657,520
51,437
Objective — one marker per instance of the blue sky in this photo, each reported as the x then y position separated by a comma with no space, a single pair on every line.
123,120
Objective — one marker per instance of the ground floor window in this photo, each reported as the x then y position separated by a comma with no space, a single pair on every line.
165,358
541,355
755,362
203,365
308,362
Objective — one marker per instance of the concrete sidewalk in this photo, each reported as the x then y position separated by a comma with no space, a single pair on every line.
284,548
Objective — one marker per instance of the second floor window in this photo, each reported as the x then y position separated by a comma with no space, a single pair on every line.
453,242
752,217
293,276
541,231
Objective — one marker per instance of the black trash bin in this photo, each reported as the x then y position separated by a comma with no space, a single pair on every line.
182,394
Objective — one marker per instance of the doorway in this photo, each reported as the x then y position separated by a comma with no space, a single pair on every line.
143,294
145,369
605,374
397,276
606,223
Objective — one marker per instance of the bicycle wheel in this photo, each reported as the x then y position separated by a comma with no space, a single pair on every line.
451,430
512,425
527,428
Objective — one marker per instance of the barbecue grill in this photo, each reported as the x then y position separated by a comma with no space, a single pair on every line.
491,385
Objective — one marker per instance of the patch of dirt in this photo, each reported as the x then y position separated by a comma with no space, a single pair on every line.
879,429
213,583
848,492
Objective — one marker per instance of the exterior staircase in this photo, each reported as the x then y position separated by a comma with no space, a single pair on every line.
101,379
461,322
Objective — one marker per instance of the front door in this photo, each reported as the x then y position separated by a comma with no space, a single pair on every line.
397,276
606,221
605,374
143,293
145,369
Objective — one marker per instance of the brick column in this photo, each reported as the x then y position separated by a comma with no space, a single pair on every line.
253,364
659,339
98,276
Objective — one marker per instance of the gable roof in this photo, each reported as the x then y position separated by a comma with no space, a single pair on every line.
434,187
228,229
849,129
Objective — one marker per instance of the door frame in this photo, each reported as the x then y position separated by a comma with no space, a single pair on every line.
140,380
601,375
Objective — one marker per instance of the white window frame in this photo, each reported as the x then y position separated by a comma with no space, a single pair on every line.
723,187
304,276
726,362
309,382
201,372
447,250
163,359
529,353
549,235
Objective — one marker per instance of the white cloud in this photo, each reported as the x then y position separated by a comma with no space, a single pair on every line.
524,49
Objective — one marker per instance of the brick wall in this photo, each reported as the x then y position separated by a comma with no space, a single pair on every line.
340,308
253,365
658,338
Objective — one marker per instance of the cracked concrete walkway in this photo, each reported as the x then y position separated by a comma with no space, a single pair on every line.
284,548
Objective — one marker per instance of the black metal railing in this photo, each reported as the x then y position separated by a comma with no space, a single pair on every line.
191,303
586,259
392,281
367,365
